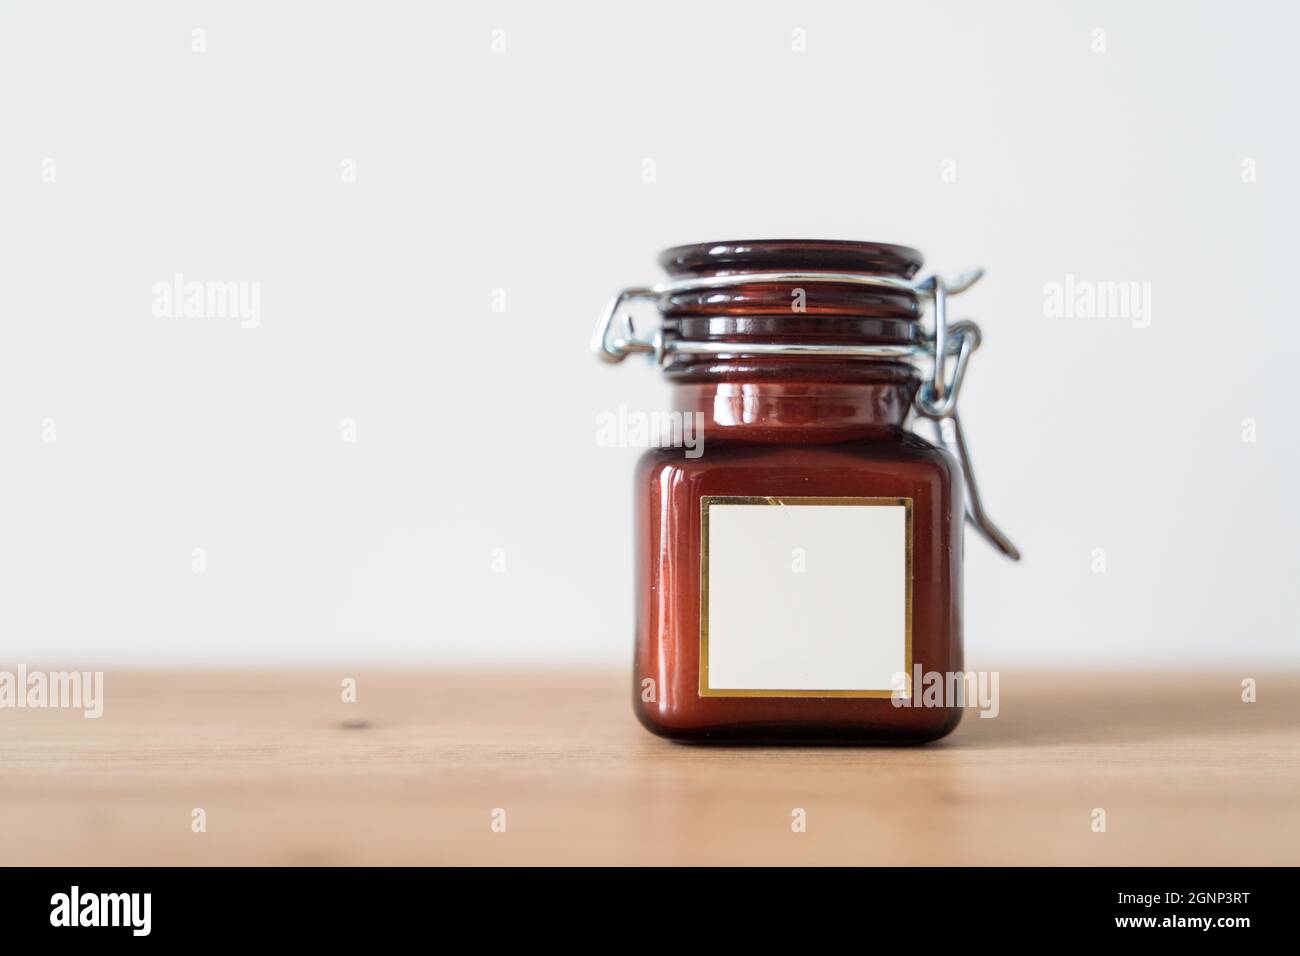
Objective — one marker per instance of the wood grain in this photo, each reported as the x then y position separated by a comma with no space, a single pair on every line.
411,773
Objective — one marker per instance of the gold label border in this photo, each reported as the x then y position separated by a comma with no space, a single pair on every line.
708,501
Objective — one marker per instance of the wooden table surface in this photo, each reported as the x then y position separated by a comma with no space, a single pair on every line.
412,772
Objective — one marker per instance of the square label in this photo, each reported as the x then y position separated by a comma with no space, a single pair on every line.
804,597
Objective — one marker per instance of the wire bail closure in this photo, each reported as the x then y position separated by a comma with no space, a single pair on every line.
936,399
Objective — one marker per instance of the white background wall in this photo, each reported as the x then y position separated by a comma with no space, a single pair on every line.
523,170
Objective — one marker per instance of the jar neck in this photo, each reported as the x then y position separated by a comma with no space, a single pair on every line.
799,294
761,408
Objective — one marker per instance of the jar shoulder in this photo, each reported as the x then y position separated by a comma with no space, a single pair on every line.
904,452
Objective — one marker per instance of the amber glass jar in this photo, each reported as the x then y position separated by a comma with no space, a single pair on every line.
797,572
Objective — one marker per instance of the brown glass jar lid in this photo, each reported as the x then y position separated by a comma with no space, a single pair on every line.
780,255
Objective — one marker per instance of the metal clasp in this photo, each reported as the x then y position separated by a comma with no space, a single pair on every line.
616,349
936,399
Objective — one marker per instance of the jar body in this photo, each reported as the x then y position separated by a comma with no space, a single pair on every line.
780,443
798,570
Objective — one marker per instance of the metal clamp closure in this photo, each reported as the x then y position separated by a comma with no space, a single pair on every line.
936,399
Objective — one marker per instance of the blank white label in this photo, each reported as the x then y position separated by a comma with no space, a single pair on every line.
804,595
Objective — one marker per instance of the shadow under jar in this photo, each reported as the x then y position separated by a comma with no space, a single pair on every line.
799,563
